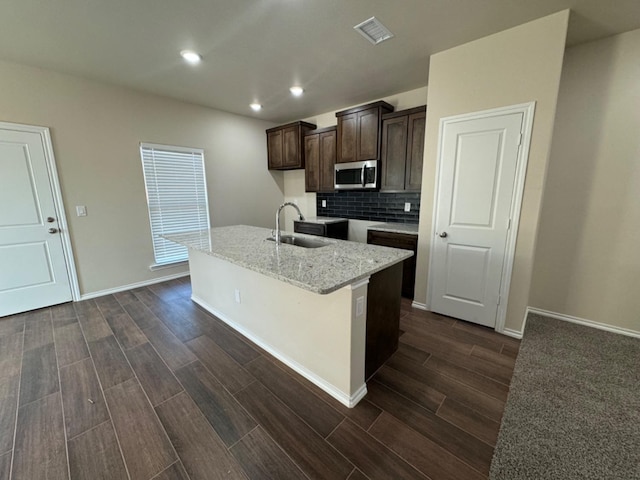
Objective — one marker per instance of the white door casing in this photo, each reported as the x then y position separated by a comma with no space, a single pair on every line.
481,167
36,264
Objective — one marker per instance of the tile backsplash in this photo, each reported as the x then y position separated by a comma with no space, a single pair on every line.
372,206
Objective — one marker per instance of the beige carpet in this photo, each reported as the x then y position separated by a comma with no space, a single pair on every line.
573,410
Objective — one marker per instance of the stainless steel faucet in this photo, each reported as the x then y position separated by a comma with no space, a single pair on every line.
278,218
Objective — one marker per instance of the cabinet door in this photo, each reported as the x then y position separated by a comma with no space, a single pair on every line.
291,147
394,153
312,169
327,160
399,240
339,230
367,137
274,149
415,151
347,136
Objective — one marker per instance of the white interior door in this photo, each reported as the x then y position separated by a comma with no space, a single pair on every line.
33,271
478,162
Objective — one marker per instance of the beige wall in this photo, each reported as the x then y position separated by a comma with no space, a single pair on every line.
587,261
519,65
294,179
96,131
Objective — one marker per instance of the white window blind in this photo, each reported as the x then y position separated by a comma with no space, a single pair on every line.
176,196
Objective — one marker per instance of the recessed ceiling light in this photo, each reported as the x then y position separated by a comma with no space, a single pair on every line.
256,107
296,91
374,31
191,56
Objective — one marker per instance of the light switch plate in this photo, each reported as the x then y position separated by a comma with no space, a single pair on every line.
81,210
407,207
237,295
324,204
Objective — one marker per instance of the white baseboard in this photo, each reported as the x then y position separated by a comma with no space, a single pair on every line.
511,333
419,306
356,397
344,398
584,321
506,331
122,288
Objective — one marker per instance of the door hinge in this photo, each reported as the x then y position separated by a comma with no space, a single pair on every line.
509,224
498,300
520,139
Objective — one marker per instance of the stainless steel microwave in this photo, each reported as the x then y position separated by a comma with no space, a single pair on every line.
356,175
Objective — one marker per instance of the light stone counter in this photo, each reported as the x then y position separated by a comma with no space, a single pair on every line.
320,270
408,228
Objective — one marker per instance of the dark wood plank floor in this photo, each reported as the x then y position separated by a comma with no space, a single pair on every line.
145,385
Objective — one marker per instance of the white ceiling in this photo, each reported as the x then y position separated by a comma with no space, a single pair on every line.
254,50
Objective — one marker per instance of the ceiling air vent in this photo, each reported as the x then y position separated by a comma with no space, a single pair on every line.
373,31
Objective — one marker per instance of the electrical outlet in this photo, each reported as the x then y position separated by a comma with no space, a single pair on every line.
407,207
324,204
238,296
81,210
359,306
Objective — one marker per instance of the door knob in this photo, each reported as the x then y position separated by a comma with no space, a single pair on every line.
53,230
443,235
51,219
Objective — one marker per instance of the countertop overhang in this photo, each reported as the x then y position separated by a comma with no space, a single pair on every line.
320,270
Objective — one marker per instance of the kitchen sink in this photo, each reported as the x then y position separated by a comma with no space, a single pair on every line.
300,242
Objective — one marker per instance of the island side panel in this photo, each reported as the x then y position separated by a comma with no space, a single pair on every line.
319,336
383,317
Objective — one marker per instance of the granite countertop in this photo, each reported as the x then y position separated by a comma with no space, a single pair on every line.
323,220
321,270
408,228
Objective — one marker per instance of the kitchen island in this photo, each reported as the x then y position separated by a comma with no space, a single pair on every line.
330,313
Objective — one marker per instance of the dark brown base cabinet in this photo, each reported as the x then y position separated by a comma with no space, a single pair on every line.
399,240
285,149
359,132
402,150
339,230
320,157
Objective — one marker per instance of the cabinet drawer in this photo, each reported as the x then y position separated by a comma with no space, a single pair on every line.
390,239
310,228
339,230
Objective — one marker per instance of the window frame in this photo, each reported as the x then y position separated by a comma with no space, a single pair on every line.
157,230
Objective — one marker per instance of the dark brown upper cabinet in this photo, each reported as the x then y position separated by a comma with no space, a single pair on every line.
359,132
402,150
285,149
320,157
